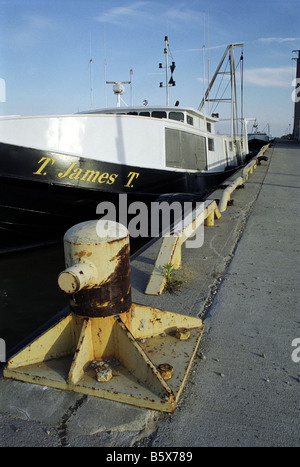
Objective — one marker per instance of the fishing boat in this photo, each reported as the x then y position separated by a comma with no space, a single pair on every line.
54,170
257,139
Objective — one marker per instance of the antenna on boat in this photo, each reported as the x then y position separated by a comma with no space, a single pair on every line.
2,90
91,67
204,106
105,82
119,88
169,82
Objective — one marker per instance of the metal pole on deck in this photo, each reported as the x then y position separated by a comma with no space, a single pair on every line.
167,74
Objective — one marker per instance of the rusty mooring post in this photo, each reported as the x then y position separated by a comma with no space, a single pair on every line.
108,346
98,269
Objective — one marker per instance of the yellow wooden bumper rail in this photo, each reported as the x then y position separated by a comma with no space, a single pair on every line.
248,169
170,251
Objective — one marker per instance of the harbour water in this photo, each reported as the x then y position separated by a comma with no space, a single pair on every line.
29,294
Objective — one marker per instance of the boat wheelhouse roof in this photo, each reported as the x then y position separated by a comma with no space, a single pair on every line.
155,111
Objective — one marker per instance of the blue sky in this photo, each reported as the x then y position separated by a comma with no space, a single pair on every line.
45,50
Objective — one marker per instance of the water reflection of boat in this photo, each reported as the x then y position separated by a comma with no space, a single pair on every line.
55,169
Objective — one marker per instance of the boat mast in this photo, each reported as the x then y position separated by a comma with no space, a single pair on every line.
167,75
170,82
233,92
233,100
205,98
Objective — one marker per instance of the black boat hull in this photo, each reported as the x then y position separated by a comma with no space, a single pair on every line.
256,144
42,193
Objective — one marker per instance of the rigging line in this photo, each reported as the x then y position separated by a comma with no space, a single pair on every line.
217,103
223,74
227,83
170,52
236,67
235,96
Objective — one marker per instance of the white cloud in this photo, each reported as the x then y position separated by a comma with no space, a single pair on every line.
29,30
149,12
278,40
118,15
37,21
184,14
269,77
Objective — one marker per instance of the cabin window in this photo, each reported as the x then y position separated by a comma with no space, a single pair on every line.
211,144
132,113
179,116
145,114
208,126
159,114
185,150
190,120
230,146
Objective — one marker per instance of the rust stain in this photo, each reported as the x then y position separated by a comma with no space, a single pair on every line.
127,318
80,254
166,370
109,298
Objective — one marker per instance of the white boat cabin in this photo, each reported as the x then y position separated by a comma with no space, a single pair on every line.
190,139
164,138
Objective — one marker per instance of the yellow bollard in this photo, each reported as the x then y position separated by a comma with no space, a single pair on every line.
210,220
108,346
97,277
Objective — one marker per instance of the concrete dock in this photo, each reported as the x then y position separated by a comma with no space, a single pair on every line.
244,386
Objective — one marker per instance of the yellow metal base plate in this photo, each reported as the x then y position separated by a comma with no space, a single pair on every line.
133,344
